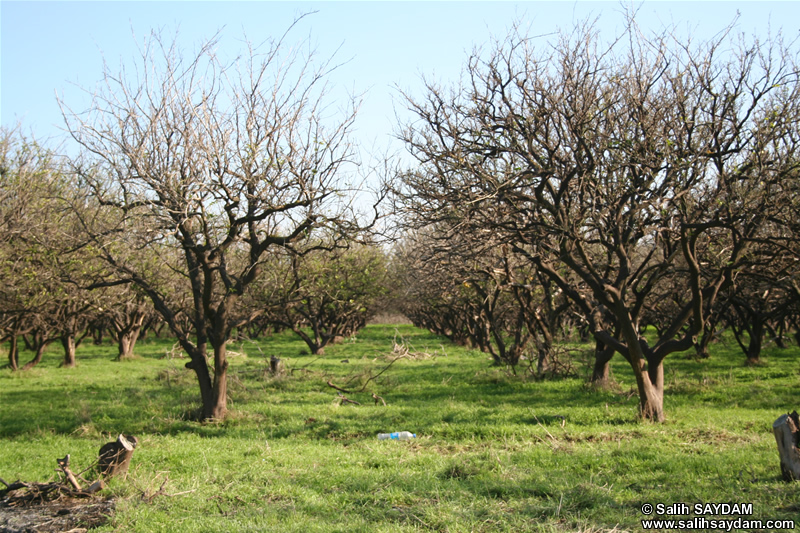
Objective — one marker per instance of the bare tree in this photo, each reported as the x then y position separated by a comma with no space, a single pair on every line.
618,165
218,162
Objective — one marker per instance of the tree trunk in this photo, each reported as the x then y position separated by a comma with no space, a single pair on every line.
545,348
68,342
543,361
601,374
126,342
199,363
316,348
787,434
40,348
652,401
97,335
650,381
776,334
701,346
756,337
213,393
218,406
29,344
13,352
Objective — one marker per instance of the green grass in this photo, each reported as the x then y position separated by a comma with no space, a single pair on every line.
491,453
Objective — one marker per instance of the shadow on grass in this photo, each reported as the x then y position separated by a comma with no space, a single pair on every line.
100,409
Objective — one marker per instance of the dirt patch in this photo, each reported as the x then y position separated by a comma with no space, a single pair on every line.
75,516
51,508
715,436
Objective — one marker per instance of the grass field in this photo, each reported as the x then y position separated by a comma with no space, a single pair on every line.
491,452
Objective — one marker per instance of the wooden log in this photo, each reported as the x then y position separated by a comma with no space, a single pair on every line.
115,457
787,435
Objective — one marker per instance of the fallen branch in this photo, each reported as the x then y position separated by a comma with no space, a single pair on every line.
399,351
378,399
371,377
96,486
181,493
160,492
345,399
20,494
63,465
14,486
331,385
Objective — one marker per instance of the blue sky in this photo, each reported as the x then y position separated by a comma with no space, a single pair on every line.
50,47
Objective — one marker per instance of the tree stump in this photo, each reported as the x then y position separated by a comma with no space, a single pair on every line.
115,457
787,435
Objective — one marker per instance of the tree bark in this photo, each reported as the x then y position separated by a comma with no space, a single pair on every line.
97,334
13,352
275,366
317,347
68,342
199,364
126,342
650,381
652,402
787,435
218,405
601,374
114,458
756,339
40,348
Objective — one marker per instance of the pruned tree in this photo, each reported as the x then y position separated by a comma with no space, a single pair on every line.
324,295
212,165
622,163
124,310
476,291
37,260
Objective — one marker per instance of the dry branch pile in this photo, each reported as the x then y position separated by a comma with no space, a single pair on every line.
65,505
51,507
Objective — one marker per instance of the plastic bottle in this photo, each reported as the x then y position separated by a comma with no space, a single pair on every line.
402,435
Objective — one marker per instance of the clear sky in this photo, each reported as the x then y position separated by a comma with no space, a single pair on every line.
50,47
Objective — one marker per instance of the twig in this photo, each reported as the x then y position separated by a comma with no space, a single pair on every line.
377,399
159,492
14,486
181,493
331,385
63,464
345,399
377,375
544,428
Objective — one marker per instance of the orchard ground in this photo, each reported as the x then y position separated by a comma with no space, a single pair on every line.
494,451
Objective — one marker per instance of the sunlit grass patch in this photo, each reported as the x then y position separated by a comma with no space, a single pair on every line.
494,452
